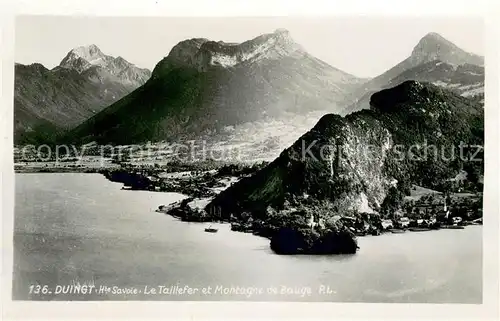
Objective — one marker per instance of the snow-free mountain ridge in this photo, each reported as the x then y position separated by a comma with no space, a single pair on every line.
434,59
204,86
86,81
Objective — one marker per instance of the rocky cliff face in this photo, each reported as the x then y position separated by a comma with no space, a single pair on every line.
349,164
432,47
101,67
203,54
329,164
49,101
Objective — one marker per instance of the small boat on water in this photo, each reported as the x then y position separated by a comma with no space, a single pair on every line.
210,229
396,231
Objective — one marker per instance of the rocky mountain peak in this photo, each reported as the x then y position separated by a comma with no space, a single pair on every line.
88,52
184,51
283,35
85,82
282,31
97,65
83,57
119,64
121,60
280,40
435,37
330,164
204,54
433,46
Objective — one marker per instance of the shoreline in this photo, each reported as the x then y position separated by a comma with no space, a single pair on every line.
382,232
201,186
205,185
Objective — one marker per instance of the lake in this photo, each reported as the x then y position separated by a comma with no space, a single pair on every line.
81,229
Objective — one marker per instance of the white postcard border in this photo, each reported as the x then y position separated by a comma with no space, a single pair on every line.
234,310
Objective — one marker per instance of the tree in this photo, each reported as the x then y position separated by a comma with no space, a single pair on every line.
473,174
447,189
392,201
408,207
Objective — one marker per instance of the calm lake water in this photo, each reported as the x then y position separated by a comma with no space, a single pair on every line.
80,229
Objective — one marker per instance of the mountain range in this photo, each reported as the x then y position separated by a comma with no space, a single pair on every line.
434,59
265,91
84,83
203,87
337,143
351,163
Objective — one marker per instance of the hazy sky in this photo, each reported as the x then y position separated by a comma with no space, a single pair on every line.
363,46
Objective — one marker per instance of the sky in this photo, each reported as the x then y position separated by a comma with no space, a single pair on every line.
364,46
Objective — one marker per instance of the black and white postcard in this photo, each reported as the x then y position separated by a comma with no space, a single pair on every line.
292,160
